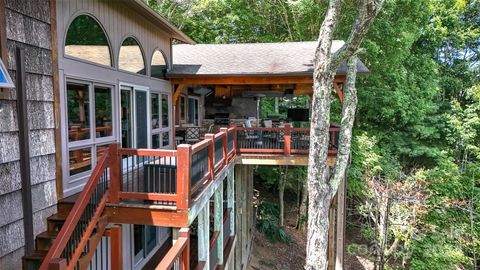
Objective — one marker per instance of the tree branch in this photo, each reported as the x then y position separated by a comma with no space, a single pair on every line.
367,11
348,119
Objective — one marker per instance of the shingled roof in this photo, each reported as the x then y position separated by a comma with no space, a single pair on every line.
285,58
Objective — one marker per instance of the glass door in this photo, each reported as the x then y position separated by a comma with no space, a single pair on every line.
141,118
126,110
193,111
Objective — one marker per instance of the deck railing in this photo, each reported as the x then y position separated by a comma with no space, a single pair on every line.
177,257
82,222
213,249
226,226
283,140
172,176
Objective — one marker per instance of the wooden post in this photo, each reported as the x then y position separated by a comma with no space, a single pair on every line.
185,259
116,247
235,146
204,235
211,155
57,264
218,225
331,236
231,198
287,139
184,164
340,225
225,145
115,174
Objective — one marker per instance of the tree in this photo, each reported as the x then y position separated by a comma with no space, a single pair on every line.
321,185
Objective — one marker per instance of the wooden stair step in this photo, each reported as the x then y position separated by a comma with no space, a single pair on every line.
34,260
44,241
55,222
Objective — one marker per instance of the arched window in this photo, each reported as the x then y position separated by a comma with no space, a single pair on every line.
159,65
131,57
86,40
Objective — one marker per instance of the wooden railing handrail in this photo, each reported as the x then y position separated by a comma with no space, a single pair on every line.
200,145
219,135
75,214
213,239
226,215
147,152
175,251
180,250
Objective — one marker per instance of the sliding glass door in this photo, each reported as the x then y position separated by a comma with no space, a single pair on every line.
134,117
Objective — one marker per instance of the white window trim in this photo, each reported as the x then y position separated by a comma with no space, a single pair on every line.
92,142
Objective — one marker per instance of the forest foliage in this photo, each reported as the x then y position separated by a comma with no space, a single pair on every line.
415,175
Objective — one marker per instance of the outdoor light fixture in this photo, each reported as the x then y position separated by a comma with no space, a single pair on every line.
5,80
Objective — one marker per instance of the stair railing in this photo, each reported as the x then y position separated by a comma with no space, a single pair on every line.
73,239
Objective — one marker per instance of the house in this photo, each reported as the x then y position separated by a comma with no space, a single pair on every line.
94,169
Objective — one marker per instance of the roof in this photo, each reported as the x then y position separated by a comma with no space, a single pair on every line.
145,10
285,58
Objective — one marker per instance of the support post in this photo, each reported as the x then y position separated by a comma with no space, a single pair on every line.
204,235
235,146
231,198
116,247
114,174
185,259
184,164
218,225
287,139
211,155
340,225
57,264
225,145
331,236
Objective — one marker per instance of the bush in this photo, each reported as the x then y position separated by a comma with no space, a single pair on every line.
268,223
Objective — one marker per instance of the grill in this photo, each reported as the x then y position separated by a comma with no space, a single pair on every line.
222,119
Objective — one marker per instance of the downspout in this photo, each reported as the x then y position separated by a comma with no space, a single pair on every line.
23,134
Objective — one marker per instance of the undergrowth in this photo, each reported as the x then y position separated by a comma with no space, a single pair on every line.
268,223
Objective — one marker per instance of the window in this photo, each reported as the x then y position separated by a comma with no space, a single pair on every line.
159,65
165,111
103,111
90,124
126,111
160,120
193,107
86,40
131,57
183,109
78,104
145,239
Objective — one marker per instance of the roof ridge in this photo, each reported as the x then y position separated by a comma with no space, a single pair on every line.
253,43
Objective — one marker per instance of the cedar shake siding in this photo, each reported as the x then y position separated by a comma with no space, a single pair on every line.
28,27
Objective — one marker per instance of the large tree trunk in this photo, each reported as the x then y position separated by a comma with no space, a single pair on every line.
321,186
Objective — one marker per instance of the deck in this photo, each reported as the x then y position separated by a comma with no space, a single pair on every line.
172,188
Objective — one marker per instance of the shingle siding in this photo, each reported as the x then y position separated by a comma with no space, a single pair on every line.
8,116
27,27
12,237
9,177
12,260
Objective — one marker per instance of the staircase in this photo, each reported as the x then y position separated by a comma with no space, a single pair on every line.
74,233
44,241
